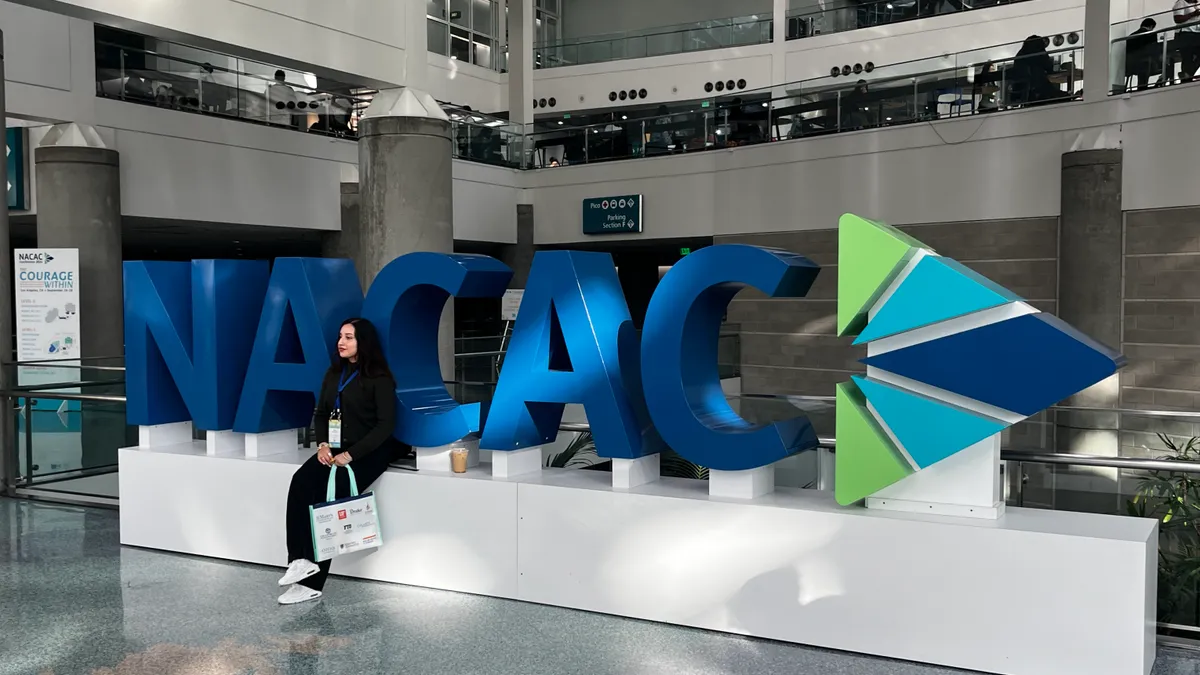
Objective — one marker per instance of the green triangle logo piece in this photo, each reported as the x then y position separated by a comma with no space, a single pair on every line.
866,460
870,255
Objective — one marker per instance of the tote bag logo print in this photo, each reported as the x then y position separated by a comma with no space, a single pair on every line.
952,358
360,529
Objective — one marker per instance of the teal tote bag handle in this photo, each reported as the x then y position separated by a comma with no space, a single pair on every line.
331,488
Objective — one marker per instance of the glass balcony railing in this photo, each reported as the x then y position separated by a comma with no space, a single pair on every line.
1155,50
218,84
660,41
1036,72
1039,71
484,138
806,22
253,91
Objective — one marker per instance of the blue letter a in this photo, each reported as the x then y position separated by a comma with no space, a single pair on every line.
307,301
566,348
185,354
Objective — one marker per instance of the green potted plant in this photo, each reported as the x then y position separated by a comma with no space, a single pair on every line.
1173,498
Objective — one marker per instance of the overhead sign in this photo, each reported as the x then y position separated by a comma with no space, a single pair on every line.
573,342
14,152
612,215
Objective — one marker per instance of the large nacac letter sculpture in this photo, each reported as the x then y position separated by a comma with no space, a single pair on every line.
941,336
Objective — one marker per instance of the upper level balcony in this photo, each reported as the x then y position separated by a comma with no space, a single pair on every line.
1038,71
806,20
1156,50
695,36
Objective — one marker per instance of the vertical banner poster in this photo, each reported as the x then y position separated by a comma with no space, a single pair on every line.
47,303
46,289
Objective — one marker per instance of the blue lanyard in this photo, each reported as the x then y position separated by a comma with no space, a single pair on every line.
337,400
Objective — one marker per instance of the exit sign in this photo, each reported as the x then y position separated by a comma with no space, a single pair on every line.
685,251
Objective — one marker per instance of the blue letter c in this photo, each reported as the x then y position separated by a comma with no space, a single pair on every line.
679,356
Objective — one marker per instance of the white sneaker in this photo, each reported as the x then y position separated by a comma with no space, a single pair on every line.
298,571
297,594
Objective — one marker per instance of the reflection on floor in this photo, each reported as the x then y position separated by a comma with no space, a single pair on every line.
73,601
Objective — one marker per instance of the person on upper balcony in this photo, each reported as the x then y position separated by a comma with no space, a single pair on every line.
279,95
1031,71
1187,15
1143,56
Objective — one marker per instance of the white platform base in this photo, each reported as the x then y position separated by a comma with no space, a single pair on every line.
516,462
630,473
272,443
792,566
224,442
749,484
438,459
164,434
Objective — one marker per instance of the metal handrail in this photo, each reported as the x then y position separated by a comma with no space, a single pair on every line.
1137,412
97,398
1139,463
1019,455
1038,456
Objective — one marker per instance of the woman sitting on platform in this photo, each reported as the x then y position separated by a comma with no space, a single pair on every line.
355,417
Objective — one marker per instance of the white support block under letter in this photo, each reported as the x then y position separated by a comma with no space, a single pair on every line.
160,435
222,442
506,464
748,484
273,443
630,473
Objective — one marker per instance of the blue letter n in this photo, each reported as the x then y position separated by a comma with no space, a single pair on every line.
186,339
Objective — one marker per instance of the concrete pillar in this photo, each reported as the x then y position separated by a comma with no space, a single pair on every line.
79,206
1090,299
1090,243
406,188
347,243
1097,23
416,45
520,61
778,48
519,256
638,273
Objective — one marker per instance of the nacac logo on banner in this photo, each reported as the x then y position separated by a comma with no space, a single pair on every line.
954,359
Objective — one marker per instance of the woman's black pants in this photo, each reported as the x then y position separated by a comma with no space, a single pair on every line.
308,489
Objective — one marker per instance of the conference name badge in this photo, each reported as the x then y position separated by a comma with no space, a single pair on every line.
335,432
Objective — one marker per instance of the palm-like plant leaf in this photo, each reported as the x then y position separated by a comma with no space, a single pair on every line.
673,465
580,452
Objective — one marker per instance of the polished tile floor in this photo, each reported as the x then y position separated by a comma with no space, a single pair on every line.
73,601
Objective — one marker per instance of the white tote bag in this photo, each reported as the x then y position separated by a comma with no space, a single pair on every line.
344,525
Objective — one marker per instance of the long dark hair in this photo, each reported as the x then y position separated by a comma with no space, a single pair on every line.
371,361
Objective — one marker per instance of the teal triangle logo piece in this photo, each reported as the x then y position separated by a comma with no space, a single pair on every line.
928,430
935,290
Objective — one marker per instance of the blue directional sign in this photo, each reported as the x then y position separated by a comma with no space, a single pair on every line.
612,215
